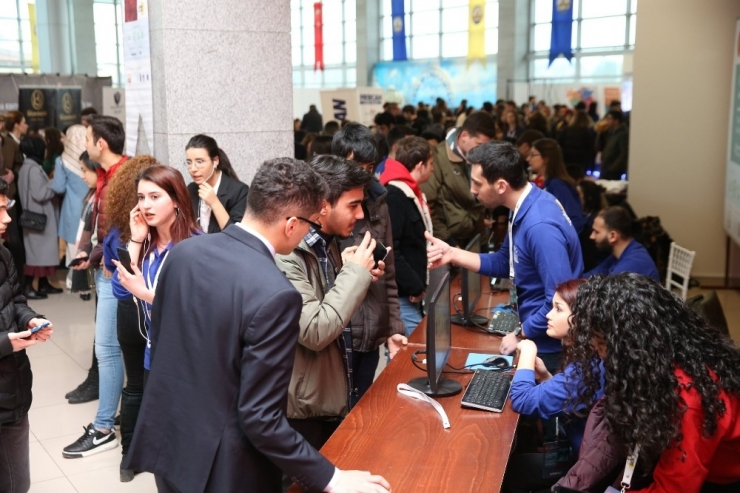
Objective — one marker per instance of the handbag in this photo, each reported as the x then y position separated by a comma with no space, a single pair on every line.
32,220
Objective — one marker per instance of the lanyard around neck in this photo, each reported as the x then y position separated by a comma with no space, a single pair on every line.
153,284
512,217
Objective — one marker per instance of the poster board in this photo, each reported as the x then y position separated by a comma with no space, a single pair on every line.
114,102
732,180
357,104
45,106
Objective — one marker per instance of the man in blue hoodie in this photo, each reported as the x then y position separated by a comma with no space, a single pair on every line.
545,246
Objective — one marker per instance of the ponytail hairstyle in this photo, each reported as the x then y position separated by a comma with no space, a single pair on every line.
201,141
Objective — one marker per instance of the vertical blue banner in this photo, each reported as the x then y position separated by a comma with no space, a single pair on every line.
398,18
562,30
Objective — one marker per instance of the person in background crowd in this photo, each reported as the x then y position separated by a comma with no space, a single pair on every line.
546,160
592,111
217,195
672,394
312,121
88,390
68,181
15,368
593,199
42,245
330,128
412,165
53,139
538,121
525,141
510,126
319,146
15,128
394,135
577,142
614,157
86,113
612,234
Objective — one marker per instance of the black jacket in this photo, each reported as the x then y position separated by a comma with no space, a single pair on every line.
233,196
15,369
409,244
312,122
578,146
221,361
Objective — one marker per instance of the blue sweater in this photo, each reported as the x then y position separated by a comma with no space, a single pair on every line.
546,253
635,258
568,198
549,399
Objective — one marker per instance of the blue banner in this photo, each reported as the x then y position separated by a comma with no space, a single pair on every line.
398,19
562,30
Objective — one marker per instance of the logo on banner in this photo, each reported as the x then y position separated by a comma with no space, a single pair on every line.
37,99
563,5
67,103
340,108
117,98
397,24
477,14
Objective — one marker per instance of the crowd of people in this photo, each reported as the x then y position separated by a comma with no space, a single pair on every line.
248,320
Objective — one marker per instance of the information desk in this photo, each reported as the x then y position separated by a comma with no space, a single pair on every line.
471,338
403,440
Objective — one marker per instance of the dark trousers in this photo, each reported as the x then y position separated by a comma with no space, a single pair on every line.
130,326
363,372
524,474
15,465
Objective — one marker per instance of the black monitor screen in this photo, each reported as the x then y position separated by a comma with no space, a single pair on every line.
472,281
439,331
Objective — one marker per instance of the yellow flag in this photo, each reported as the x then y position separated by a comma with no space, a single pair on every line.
34,39
477,31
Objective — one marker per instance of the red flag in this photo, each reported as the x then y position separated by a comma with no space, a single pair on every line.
318,27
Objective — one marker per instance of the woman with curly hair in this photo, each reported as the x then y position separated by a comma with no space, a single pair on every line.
672,383
129,318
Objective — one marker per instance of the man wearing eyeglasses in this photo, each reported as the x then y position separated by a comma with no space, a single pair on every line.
332,288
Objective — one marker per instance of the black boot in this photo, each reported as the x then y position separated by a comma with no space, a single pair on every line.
130,404
46,288
87,391
31,293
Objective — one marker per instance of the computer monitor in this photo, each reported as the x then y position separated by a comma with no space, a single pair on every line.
470,291
439,344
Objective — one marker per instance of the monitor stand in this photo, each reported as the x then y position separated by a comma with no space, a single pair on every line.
475,320
445,387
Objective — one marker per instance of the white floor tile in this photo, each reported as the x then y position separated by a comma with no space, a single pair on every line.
60,375
70,467
43,467
60,419
108,480
60,485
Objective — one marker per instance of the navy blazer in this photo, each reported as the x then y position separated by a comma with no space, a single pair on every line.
223,346
233,196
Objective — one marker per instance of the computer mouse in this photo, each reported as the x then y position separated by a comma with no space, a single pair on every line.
496,361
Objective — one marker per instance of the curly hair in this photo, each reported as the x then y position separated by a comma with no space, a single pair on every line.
649,332
121,194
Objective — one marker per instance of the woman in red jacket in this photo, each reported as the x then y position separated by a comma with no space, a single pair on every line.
672,383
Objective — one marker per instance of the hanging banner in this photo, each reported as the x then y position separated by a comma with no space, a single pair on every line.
562,30
137,72
398,18
477,32
34,38
318,33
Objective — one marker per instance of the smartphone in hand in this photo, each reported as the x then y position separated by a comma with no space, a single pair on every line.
77,261
380,252
125,259
40,326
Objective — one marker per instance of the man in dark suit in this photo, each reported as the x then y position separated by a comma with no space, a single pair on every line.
223,340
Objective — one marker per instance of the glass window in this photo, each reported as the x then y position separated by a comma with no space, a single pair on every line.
560,68
606,31
455,19
108,25
455,44
491,41
633,29
600,66
422,5
600,8
426,46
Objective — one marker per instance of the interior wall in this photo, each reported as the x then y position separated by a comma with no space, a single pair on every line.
679,122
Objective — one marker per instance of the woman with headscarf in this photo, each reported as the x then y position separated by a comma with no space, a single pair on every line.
68,180
36,194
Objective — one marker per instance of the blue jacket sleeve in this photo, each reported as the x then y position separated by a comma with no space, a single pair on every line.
544,401
602,268
59,182
550,254
496,264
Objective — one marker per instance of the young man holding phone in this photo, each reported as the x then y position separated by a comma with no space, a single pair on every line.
21,328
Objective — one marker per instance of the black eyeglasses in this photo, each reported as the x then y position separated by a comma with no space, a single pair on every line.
316,226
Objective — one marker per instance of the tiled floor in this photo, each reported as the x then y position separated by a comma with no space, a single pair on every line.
61,364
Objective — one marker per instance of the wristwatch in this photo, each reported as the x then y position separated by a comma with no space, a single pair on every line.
518,330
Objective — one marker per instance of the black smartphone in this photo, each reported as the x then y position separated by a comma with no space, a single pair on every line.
380,252
77,261
125,259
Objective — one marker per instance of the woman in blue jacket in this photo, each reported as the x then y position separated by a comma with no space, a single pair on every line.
546,160
537,393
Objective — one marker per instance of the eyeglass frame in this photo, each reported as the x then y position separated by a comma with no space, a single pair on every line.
316,226
9,205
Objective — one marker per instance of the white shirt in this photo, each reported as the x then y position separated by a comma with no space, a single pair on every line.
259,237
204,218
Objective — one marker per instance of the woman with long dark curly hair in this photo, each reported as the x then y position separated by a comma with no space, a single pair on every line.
672,382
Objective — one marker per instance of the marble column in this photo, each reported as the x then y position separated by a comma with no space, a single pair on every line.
52,28
222,68
513,44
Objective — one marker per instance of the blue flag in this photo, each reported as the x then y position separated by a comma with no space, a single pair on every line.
562,30
398,20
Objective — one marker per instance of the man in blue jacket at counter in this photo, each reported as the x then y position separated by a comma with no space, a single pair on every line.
612,233
546,251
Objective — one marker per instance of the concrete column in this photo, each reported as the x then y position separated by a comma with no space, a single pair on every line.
222,68
52,29
513,44
368,40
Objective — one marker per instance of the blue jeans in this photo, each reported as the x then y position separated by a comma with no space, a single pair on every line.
108,351
410,314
